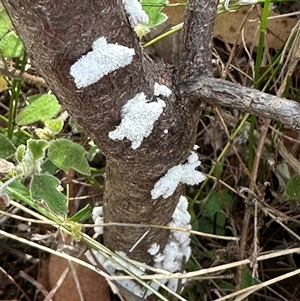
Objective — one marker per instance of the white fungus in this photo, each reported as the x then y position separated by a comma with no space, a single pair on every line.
171,258
98,219
135,12
138,117
154,248
161,90
103,59
113,269
182,173
177,248
159,257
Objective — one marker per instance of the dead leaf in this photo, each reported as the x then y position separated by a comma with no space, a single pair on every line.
227,25
278,29
3,84
94,287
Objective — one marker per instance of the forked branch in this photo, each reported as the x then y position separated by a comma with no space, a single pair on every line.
196,44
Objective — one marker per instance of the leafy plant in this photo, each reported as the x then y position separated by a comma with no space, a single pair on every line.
153,8
214,219
10,44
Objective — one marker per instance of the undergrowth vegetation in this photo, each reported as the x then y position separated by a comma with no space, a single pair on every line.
245,216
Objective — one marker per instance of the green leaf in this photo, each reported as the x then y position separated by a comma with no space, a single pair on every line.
220,219
31,159
93,151
225,285
49,167
66,154
42,107
44,187
293,188
37,148
217,202
247,279
82,215
153,9
207,225
18,187
226,198
20,152
7,149
11,45
55,125
213,206
5,22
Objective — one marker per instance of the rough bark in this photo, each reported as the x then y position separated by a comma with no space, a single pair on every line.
195,48
55,34
224,93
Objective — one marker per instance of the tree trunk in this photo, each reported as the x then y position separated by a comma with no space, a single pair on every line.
56,34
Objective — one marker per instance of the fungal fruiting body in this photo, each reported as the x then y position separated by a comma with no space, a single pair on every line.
115,265
182,173
161,90
103,59
135,12
97,216
177,250
138,117
175,253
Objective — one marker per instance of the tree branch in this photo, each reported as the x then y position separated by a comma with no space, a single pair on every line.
224,93
195,48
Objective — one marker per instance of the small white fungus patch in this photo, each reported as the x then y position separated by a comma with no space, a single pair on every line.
97,216
153,250
103,59
159,257
114,269
135,12
138,117
177,249
161,90
182,173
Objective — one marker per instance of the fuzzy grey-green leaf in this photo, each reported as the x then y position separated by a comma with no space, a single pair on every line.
5,22
66,154
44,187
37,148
153,9
11,45
42,107
7,149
